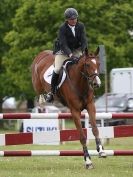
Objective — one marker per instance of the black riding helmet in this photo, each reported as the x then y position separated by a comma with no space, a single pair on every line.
71,13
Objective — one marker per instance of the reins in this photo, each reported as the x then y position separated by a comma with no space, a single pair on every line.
89,78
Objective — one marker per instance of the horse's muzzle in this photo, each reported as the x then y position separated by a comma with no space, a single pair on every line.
97,82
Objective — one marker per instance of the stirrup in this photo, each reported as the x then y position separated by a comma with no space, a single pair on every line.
49,97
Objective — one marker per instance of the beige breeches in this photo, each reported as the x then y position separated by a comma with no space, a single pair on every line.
60,58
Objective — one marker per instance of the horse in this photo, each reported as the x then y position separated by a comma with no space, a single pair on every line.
76,91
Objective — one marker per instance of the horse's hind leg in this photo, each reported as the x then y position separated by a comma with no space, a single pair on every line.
92,116
76,117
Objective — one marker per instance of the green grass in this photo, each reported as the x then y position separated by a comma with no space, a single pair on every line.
112,166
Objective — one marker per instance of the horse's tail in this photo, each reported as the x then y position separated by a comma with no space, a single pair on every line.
41,62
35,77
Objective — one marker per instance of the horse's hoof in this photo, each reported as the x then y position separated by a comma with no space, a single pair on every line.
88,164
102,154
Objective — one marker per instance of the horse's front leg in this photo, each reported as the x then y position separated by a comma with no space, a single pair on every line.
92,117
76,117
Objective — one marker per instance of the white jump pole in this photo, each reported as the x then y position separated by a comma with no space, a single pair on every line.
63,153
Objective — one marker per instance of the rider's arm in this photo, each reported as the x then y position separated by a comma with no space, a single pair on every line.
63,42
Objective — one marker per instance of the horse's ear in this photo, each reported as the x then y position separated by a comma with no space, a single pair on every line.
97,51
86,52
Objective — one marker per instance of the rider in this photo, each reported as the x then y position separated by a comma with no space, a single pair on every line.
71,43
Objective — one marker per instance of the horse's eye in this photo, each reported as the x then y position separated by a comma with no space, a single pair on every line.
88,65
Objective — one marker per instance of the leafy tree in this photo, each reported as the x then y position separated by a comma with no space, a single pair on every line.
26,40
7,12
114,27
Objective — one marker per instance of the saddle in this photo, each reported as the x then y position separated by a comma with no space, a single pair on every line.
62,76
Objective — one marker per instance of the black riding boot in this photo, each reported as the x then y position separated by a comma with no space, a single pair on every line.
54,82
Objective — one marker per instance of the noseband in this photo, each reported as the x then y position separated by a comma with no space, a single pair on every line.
89,78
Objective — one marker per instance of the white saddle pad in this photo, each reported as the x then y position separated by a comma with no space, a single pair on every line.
48,75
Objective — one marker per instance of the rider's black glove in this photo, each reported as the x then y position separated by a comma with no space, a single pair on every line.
74,59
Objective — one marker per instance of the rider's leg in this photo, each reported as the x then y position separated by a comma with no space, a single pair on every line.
54,82
50,95
59,59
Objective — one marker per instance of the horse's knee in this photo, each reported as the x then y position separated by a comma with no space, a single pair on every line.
83,140
95,131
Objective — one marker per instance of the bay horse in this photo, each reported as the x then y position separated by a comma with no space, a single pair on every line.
77,91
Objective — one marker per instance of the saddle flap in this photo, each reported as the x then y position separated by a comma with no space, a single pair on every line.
48,76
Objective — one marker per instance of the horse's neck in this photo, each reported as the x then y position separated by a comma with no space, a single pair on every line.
76,71
80,72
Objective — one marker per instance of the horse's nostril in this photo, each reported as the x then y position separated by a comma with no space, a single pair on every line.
96,85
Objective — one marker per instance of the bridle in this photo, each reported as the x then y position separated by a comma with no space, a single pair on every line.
89,77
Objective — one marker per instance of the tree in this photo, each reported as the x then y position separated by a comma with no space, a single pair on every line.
26,40
7,12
